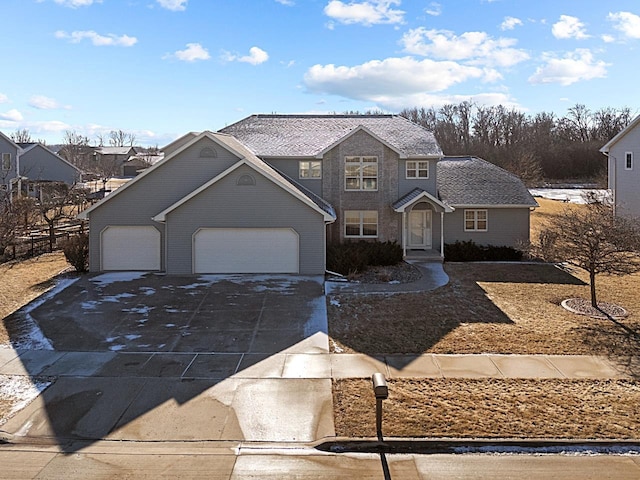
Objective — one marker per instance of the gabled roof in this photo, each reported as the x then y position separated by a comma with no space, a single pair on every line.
416,195
472,181
605,149
246,158
115,150
310,135
33,146
8,139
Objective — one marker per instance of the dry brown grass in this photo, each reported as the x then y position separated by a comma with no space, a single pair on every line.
581,409
23,281
491,308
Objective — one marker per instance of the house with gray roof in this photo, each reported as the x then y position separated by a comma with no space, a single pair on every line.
25,167
268,193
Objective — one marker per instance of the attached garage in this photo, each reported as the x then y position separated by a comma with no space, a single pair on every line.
134,248
246,250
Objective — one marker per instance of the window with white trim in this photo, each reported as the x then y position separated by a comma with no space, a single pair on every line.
309,169
361,173
361,223
6,162
475,220
417,169
628,161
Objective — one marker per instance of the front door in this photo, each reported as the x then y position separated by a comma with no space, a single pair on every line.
419,229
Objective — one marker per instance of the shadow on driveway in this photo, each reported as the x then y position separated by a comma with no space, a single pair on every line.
152,357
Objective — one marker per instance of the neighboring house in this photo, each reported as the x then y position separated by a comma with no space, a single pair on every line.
623,152
136,164
266,194
112,159
35,164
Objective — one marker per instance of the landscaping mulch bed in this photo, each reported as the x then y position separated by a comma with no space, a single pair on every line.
401,273
582,306
491,408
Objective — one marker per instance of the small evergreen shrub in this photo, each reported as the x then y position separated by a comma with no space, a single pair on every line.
353,257
469,251
76,251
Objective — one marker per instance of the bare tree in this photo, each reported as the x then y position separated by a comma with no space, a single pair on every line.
595,240
76,150
21,136
55,203
120,138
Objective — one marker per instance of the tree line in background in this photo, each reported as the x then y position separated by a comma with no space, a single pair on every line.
537,148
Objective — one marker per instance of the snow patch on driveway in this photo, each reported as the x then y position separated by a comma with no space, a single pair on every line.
109,278
18,391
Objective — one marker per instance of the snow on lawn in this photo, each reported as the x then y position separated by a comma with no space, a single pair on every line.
31,337
16,392
571,195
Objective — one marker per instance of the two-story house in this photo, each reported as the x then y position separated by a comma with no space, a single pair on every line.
268,193
26,166
623,151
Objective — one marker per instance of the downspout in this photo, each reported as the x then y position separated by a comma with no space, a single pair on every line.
404,235
442,234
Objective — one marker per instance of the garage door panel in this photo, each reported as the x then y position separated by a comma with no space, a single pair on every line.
133,248
246,250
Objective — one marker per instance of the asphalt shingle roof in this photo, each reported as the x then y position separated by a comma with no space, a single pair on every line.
474,181
308,135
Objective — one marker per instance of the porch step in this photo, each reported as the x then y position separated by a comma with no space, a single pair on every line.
424,256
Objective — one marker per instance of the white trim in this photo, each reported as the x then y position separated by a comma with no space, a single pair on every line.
361,176
427,234
477,206
360,128
429,197
361,213
475,219
417,169
607,147
309,169
626,164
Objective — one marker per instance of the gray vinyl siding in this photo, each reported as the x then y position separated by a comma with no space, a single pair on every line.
7,147
40,164
155,191
289,167
626,183
405,185
506,227
263,205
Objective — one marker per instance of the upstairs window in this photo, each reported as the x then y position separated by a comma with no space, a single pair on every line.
417,169
475,220
628,161
363,224
309,169
361,173
6,162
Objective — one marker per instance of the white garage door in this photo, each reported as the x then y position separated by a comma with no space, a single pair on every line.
130,248
245,250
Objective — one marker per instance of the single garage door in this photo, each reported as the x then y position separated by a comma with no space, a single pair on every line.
130,248
245,250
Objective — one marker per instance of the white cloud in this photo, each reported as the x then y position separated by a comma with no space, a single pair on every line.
626,22
192,53
256,56
77,3
98,40
12,115
288,3
478,48
608,38
574,67
173,5
434,9
379,80
367,13
45,103
509,23
3,98
569,27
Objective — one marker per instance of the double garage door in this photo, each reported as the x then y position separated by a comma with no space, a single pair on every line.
215,250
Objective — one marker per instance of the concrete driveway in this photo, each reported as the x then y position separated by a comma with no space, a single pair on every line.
144,357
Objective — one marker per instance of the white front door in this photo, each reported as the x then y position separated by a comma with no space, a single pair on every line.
419,229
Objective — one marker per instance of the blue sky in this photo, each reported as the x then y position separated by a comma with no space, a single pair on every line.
160,68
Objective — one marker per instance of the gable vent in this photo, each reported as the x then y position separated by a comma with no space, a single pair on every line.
208,152
244,180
